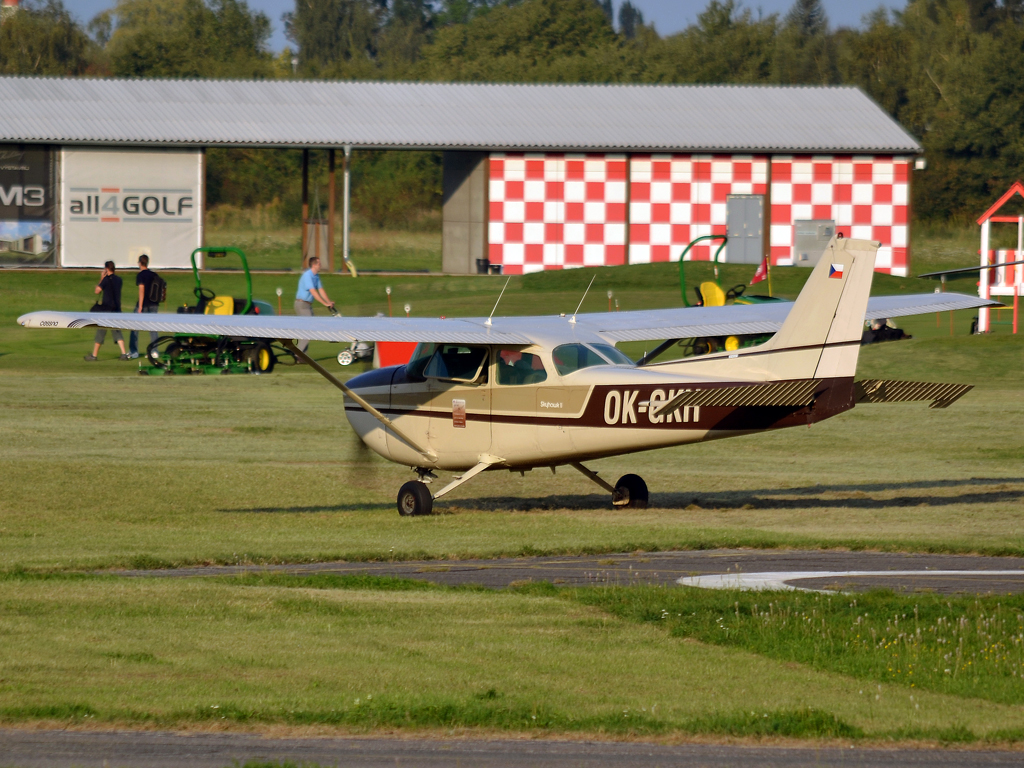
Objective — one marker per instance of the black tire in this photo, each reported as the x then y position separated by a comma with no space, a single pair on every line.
631,492
414,499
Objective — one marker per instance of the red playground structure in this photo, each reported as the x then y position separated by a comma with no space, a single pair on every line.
1005,279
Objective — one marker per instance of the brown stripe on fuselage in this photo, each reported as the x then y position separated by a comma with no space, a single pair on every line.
832,396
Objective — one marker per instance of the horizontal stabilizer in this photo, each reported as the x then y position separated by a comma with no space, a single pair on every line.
884,391
788,393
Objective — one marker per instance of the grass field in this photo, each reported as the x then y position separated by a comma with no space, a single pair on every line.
271,245
103,468
152,652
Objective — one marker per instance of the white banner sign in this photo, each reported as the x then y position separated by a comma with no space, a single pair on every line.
119,204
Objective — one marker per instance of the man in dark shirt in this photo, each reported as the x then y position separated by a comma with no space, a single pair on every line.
110,287
143,280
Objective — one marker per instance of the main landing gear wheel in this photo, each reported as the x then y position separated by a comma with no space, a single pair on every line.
414,498
630,491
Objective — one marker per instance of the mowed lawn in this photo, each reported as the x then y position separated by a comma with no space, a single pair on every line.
173,653
103,468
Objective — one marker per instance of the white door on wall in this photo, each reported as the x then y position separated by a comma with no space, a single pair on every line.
118,204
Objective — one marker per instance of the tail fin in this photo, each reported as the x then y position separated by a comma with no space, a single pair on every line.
820,337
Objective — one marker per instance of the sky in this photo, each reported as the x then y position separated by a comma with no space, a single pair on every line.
668,15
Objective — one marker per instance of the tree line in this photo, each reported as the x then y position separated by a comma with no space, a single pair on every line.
950,71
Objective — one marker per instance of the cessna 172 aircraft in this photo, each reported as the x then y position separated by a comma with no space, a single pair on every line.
517,393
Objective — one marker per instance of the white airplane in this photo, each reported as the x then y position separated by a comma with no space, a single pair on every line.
518,393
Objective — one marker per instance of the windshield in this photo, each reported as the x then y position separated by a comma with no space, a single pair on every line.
614,356
573,357
420,357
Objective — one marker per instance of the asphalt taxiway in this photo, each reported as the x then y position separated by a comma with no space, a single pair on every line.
736,568
154,749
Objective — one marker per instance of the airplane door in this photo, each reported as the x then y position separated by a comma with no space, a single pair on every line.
459,428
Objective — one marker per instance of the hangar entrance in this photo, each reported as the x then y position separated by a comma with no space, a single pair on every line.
744,216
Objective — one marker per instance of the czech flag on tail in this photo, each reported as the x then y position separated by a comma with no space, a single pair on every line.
762,272
836,271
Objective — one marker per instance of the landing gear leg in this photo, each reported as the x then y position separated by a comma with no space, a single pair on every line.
415,498
630,491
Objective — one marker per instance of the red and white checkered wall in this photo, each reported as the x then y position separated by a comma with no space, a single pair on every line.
676,198
555,211
867,197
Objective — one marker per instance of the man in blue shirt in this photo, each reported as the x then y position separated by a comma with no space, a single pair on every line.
309,289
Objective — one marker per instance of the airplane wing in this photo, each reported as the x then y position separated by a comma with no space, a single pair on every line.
642,325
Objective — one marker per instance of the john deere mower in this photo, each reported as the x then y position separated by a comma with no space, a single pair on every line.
711,294
182,353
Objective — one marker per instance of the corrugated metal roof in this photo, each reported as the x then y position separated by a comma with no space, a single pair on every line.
696,118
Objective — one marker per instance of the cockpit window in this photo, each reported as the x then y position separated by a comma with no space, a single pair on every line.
516,368
454,362
573,357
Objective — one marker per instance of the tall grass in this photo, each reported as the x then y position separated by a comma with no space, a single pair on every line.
955,645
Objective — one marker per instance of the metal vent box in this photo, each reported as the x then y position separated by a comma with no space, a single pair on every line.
812,237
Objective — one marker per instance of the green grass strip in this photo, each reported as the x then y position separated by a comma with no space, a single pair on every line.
964,646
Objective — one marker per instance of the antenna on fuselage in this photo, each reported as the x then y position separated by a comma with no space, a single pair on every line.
573,318
487,322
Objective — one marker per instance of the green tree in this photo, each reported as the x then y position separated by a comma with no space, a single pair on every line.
804,52
536,41
726,45
877,60
43,39
630,20
186,38
336,38
408,28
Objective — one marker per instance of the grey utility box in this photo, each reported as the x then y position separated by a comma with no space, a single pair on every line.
812,237
744,217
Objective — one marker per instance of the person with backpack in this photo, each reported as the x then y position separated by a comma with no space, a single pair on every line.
152,290
110,287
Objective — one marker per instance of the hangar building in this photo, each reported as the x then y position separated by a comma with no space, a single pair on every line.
535,176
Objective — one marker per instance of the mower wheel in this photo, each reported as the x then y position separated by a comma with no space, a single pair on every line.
261,358
414,498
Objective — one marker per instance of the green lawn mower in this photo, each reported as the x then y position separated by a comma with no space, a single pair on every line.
182,353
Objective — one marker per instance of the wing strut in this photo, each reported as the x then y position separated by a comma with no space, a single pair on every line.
290,346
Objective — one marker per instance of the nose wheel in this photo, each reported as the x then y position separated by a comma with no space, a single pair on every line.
414,498
630,491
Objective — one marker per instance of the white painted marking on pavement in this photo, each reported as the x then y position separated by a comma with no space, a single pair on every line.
780,579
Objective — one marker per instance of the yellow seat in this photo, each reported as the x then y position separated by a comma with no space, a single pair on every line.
713,295
221,305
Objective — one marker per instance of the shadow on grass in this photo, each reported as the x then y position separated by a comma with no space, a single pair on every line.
368,507
722,500
731,500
